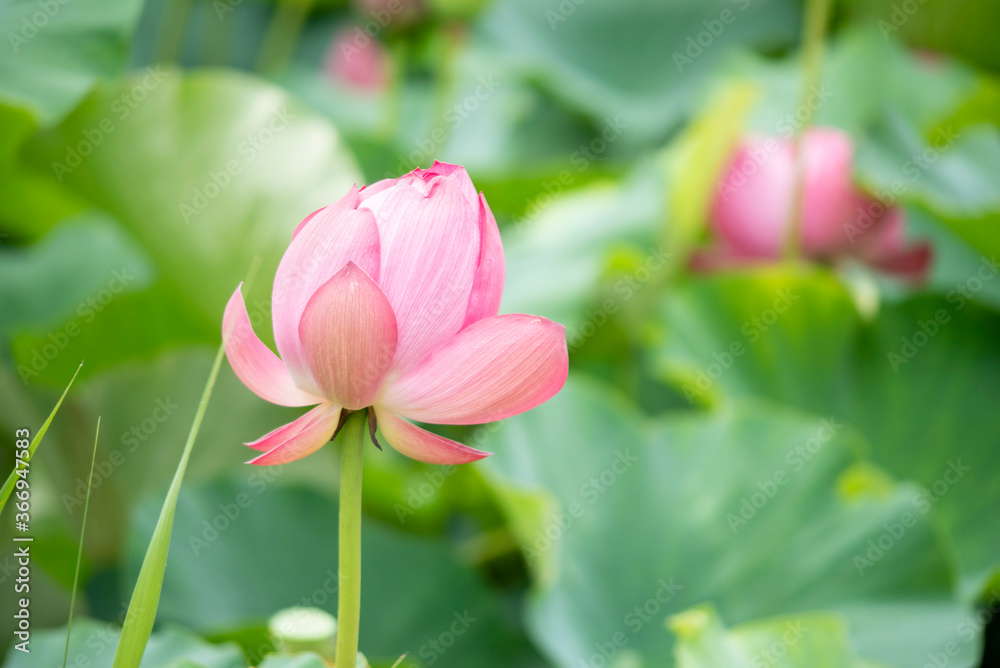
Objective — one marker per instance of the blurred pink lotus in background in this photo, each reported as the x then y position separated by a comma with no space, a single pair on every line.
752,207
357,60
387,300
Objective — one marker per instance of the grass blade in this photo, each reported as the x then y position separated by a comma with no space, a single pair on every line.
79,554
146,596
8,486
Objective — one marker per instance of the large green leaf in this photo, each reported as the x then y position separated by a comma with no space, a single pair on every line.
434,608
54,52
757,509
129,326
44,285
816,640
641,60
920,382
207,171
959,28
87,292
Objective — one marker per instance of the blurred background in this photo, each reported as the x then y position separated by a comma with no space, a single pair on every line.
773,450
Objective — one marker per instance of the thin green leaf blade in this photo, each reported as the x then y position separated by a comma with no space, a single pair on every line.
8,486
79,553
146,596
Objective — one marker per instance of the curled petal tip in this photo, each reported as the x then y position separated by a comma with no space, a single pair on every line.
423,445
297,439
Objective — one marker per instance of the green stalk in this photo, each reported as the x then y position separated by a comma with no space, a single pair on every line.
171,35
146,595
282,35
817,15
352,442
79,554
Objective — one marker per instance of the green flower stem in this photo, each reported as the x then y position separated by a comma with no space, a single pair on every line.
817,14
282,35
352,442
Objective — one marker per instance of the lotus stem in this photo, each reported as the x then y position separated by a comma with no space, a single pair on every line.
352,441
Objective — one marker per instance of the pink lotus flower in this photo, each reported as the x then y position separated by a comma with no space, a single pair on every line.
388,300
357,60
751,210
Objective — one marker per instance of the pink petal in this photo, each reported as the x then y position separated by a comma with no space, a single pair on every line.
254,363
305,221
429,253
493,369
753,204
299,438
348,331
360,64
276,437
421,444
911,264
458,176
332,237
373,194
829,189
720,257
877,230
487,288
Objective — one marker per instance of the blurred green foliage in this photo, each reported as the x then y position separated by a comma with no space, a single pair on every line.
734,456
